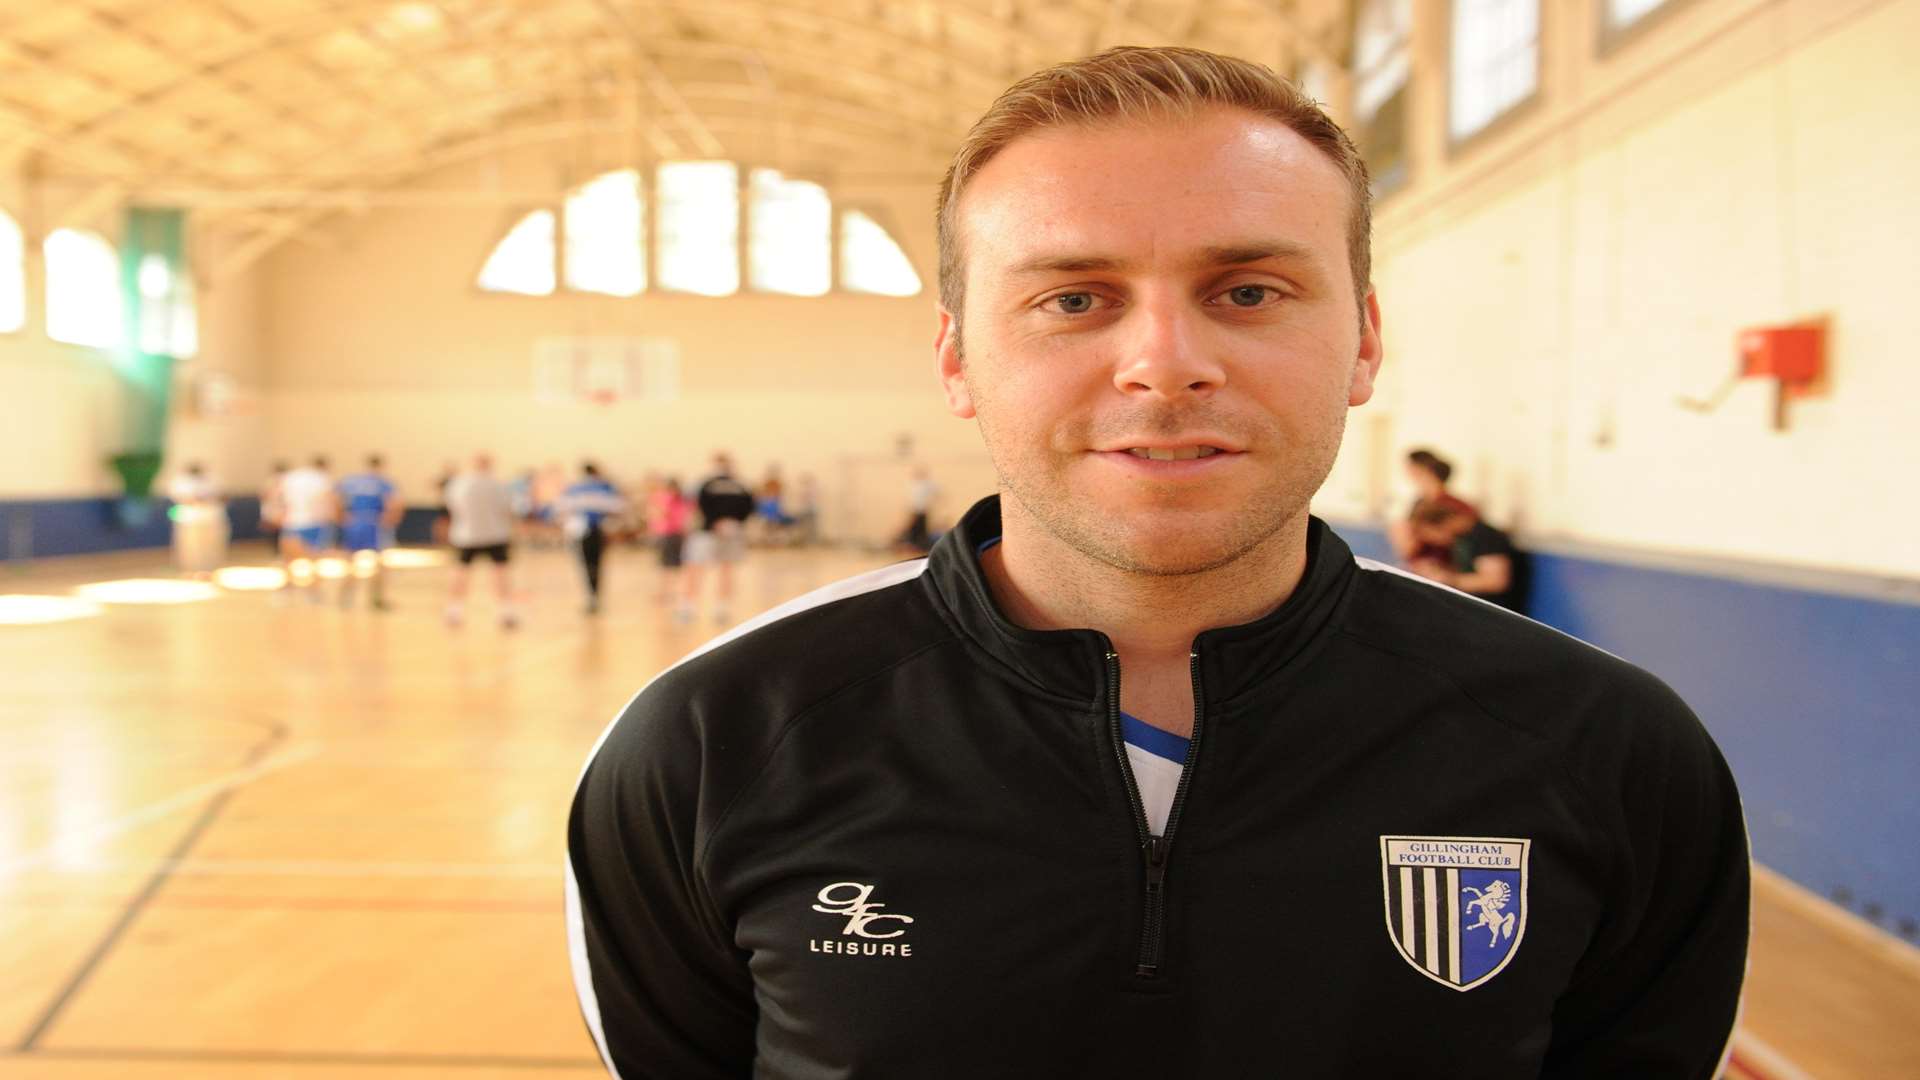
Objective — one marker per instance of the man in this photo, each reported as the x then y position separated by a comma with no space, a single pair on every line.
199,516
1475,557
273,507
922,491
370,507
1429,473
480,523
725,504
583,509
308,510
896,828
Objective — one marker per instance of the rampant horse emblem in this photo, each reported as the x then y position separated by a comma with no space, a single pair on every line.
1490,902
1440,890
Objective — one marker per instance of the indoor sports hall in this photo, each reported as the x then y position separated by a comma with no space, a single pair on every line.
279,803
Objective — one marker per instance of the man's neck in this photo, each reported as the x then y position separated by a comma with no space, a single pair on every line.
1043,583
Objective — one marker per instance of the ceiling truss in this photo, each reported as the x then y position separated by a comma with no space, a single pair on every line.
264,117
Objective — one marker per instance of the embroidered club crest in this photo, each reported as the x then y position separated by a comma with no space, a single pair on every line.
1456,905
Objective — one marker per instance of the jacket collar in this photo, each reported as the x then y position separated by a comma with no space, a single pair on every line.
1072,663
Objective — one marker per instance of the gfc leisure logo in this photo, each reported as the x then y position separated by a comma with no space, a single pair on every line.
852,900
1456,905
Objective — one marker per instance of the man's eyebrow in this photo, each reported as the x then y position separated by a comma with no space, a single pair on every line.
1057,264
1218,255
1241,254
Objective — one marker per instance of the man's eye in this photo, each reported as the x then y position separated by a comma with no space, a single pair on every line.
1074,303
1249,295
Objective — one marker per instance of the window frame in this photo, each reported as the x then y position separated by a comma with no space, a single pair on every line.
834,206
561,286
1385,183
741,240
1609,39
1505,119
26,277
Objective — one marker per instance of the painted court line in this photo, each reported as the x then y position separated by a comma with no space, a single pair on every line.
1755,1059
72,844
330,868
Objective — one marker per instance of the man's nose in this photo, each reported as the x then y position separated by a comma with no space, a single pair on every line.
1164,354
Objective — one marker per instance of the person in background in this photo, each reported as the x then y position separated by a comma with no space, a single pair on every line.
480,523
543,527
1478,559
273,507
370,508
922,493
1429,473
585,510
668,510
306,530
725,504
441,520
199,521
771,509
805,511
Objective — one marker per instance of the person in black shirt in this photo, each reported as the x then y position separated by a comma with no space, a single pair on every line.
725,504
1480,560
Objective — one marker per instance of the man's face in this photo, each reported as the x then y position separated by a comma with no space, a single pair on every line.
1172,289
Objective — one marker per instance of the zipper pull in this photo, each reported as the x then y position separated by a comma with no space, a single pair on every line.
1156,863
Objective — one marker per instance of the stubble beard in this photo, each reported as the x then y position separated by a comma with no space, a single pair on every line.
1205,543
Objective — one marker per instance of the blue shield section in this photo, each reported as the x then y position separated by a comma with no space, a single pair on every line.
1490,919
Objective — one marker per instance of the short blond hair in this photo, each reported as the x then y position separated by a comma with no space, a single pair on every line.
1135,83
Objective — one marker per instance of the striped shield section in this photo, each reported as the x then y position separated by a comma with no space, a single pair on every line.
1456,906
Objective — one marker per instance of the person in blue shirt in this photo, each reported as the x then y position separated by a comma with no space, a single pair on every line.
584,511
369,509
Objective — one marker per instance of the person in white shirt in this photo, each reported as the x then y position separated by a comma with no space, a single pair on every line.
199,521
309,509
480,513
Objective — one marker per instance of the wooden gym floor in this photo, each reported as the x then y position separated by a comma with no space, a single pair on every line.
241,838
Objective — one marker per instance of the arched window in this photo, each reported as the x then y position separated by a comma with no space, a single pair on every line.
83,289
606,235
791,246
871,260
523,260
699,227
696,239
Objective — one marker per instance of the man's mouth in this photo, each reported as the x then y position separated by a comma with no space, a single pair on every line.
1173,453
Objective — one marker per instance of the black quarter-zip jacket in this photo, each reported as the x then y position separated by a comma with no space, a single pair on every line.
882,832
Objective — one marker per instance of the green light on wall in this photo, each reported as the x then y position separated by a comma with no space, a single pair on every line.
154,282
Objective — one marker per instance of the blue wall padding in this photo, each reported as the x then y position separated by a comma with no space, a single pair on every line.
1814,698
41,528
416,525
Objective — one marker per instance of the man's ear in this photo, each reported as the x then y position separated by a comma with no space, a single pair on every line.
953,375
1367,365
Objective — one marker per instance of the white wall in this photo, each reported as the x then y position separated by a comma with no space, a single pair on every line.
65,409
1555,291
